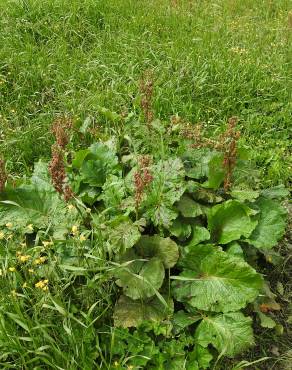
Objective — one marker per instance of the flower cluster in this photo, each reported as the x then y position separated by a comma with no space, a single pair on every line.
3,175
142,178
146,88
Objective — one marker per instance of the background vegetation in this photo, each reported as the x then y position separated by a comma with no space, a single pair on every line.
210,60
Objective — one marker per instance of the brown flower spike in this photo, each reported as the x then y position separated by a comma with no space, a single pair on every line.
57,170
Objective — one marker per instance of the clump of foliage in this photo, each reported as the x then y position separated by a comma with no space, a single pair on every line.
150,263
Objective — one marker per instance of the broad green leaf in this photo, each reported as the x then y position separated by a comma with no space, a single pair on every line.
215,281
202,195
245,194
113,192
122,234
201,356
41,178
182,319
141,280
166,189
234,249
200,234
97,164
129,313
216,172
29,205
180,229
196,162
266,321
277,192
188,207
230,221
229,333
155,246
79,158
271,224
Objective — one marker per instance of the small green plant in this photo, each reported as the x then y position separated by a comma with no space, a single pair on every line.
151,261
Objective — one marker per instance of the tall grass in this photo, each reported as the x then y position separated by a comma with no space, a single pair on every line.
210,59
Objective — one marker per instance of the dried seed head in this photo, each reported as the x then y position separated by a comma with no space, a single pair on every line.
146,89
60,129
3,175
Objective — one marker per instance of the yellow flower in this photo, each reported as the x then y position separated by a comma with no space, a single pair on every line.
88,210
12,269
29,227
9,236
116,363
71,207
42,284
13,293
1,235
82,238
130,367
40,260
47,243
24,285
23,245
31,271
24,258
74,230
9,225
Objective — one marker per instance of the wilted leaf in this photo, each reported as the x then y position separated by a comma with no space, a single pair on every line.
215,281
229,221
229,333
130,313
271,224
155,246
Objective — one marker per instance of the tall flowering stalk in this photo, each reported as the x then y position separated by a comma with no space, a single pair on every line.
142,179
146,89
3,175
226,143
60,128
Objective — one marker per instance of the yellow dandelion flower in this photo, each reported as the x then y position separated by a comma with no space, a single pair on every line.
31,271
2,235
12,269
24,285
130,367
47,243
9,225
23,245
74,229
71,207
42,284
13,293
40,260
116,363
18,253
88,210
29,227
24,258
82,238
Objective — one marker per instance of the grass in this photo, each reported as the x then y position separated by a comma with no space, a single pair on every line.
210,59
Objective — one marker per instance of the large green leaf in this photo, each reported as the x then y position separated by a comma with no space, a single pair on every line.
166,188
229,333
130,313
139,279
271,224
121,234
215,281
199,358
29,205
181,229
230,221
216,172
200,234
155,246
41,178
95,163
188,207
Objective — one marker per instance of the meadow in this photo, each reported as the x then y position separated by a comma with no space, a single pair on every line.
139,136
